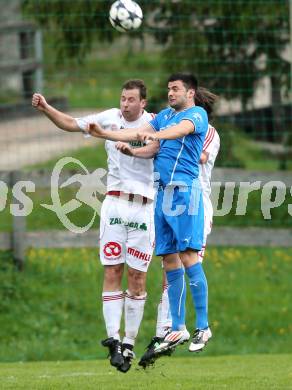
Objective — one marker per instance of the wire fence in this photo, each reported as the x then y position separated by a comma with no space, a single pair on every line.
68,50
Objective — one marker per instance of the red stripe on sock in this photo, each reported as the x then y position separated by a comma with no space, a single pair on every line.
112,297
135,298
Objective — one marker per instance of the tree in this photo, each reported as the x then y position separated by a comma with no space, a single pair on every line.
231,45
74,25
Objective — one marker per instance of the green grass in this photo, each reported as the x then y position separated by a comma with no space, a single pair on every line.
252,156
44,219
254,372
92,157
90,85
280,218
52,310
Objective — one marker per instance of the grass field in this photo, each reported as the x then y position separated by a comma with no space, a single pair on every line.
91,86
52,310
253,372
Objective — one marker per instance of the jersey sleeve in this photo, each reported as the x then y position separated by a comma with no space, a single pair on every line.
199,118
212,143
101,118
156,121
209,139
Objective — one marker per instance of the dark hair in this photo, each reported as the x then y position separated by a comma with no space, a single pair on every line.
189,80
136,84
205,99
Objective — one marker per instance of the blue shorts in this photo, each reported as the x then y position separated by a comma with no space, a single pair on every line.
179,219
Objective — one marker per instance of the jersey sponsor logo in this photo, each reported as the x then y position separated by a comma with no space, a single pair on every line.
136,144
112,250
132,224
139,255
198,117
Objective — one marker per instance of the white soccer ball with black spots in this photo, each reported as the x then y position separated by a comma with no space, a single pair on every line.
125,15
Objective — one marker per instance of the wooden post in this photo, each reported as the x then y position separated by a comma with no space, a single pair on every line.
38,42
18,230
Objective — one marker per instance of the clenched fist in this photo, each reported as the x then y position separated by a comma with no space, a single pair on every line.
125,148
39,102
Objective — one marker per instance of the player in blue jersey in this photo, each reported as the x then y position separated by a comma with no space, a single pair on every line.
179,213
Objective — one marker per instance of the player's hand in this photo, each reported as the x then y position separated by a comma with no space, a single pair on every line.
95,130
39,102
125,148
145,136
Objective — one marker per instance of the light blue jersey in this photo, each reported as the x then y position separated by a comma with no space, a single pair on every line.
178,159
179,210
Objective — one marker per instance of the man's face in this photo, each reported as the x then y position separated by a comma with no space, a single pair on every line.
131,104
179,97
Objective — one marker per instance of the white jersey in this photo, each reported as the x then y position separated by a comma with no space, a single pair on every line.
211,146
125,173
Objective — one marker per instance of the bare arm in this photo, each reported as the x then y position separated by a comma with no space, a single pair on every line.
60,119
125,135
184,128
147,151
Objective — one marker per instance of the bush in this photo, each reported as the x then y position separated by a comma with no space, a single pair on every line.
230,137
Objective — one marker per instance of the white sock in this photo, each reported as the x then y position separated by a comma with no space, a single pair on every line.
134,309
113,304
163,314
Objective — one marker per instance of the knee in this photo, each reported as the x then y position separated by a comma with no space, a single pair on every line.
189,257
171,261
113,273
136,282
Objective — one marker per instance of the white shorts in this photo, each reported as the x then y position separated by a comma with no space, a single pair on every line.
126,232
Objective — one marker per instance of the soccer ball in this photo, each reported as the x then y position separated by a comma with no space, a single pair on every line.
125,15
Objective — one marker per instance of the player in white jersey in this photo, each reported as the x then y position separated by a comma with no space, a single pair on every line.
126,223
210,151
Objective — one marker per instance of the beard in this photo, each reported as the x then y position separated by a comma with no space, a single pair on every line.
178,105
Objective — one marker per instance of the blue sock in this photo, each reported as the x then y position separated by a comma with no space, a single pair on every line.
177,297
199,290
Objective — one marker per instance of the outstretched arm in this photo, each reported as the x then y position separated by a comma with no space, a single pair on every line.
147,151
60,119
125,135
184,128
